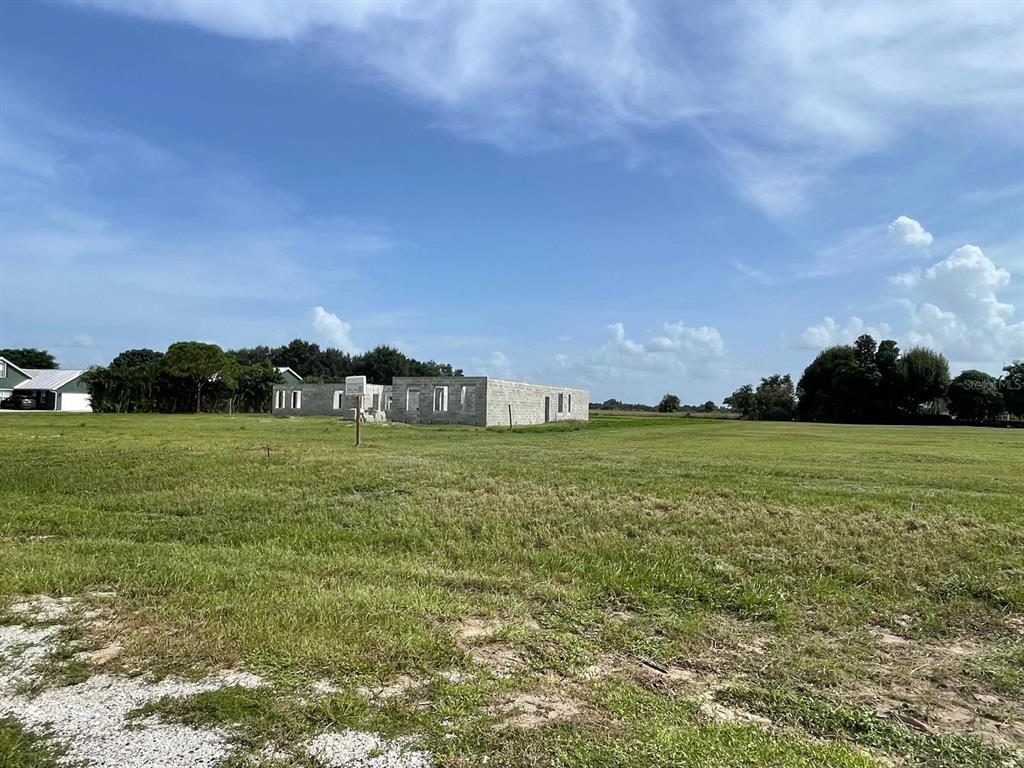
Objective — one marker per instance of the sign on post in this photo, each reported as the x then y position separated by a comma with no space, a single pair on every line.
355,386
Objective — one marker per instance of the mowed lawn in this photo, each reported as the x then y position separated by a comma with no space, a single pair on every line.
663,592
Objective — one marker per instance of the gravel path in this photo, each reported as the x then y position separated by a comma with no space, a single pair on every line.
89,719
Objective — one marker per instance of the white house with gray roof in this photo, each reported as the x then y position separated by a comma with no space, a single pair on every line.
42,389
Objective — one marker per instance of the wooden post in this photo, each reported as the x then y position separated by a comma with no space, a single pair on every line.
359,417
510,417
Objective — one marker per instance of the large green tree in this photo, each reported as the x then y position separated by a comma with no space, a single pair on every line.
975,396
381,364
202,365
1012,386
137,358
743,401
131,383
775,398
252,355
669,404
923,378
29,357
824,391
256,386
870,382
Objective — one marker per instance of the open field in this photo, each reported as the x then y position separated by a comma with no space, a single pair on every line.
631,592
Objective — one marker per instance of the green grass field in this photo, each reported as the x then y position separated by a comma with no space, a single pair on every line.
673,592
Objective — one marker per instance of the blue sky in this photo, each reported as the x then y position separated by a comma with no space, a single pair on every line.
632,197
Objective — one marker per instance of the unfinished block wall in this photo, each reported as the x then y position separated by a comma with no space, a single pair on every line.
416,400
528,403
484,402
328,400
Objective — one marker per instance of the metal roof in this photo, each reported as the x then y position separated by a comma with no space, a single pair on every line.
48,379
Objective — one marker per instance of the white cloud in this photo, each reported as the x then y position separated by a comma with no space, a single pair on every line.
910,232
497,364
691,361
785,93
332,329
679,349
829,333
500,360
952,306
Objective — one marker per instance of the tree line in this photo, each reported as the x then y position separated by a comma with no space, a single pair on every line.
668,404
196,376
380,364
876,382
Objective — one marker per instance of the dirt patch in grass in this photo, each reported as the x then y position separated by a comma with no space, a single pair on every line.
701,686
501,658
397,688
483,640
927,686
100,656
604,666
930,686
534,710
473,629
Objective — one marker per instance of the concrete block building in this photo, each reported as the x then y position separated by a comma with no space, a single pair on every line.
483,401
297,398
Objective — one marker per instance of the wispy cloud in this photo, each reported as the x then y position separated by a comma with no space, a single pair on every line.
784,93
858,249
995,194
223,242
755,274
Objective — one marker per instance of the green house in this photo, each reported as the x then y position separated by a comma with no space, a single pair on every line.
289,376
42,389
